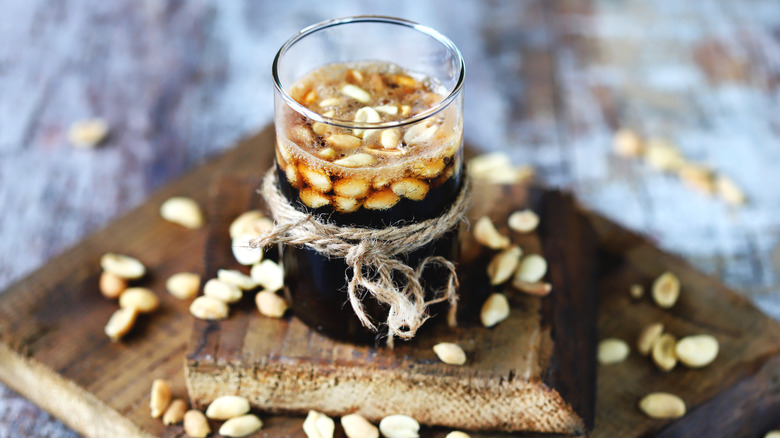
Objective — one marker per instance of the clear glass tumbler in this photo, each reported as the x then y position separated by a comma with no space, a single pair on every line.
369,133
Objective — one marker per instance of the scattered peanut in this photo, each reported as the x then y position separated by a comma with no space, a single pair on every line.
450,353
175,412
122,266
532,268
183,211
183,285
648,337
356,426
663,155
664,355
160,397
770,434
226,407
209,308
662,405
729,191
271,305
120,323
612,350
539,288
697,351
495,310
399,426
636,291
139,298
627,143
111,285
243,251
250,222
457,434
666,290
195,424
504,264
269,275
318,425
524,221
88,133
487,234
697,177
222,291
241,426
236,278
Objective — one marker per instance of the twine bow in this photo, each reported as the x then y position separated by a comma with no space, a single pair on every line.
374,256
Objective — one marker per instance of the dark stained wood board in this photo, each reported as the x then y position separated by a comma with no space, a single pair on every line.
519,375
52,349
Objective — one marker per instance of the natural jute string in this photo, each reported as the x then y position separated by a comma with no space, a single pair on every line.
374,256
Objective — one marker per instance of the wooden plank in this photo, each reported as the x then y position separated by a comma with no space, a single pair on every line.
516,378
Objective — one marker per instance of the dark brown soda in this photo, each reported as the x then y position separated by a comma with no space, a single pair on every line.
317,284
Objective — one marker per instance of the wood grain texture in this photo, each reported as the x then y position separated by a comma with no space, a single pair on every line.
533,372
181,81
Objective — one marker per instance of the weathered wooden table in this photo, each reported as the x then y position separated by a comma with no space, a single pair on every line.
548,82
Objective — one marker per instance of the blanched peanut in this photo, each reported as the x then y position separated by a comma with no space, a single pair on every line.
313,198
664,355
486,234
241,426
269,275
343,141
410,188
524,221
494,310
532,268
318,425
87,133
122,266
195,424
697,351
399,426
356,426
357,160
236,278
381,200
120,323
648,337
111,286
666,290
243,251
662,405
450,353
351,188
160,397
504,264
271,305
627,143
183,211
612,350
252,222
318,180
222,291
183,285
226,407
356,93
175,412
636,291
139,298
209,308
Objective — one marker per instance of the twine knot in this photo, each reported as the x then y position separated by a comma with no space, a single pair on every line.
374,256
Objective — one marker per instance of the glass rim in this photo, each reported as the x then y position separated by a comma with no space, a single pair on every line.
314,28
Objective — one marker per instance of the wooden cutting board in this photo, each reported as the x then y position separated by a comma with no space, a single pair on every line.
53,351
535,371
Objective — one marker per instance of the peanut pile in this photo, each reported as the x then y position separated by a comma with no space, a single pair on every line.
372,168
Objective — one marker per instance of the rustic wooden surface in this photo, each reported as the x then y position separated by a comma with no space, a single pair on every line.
180,81
534,371
101,388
